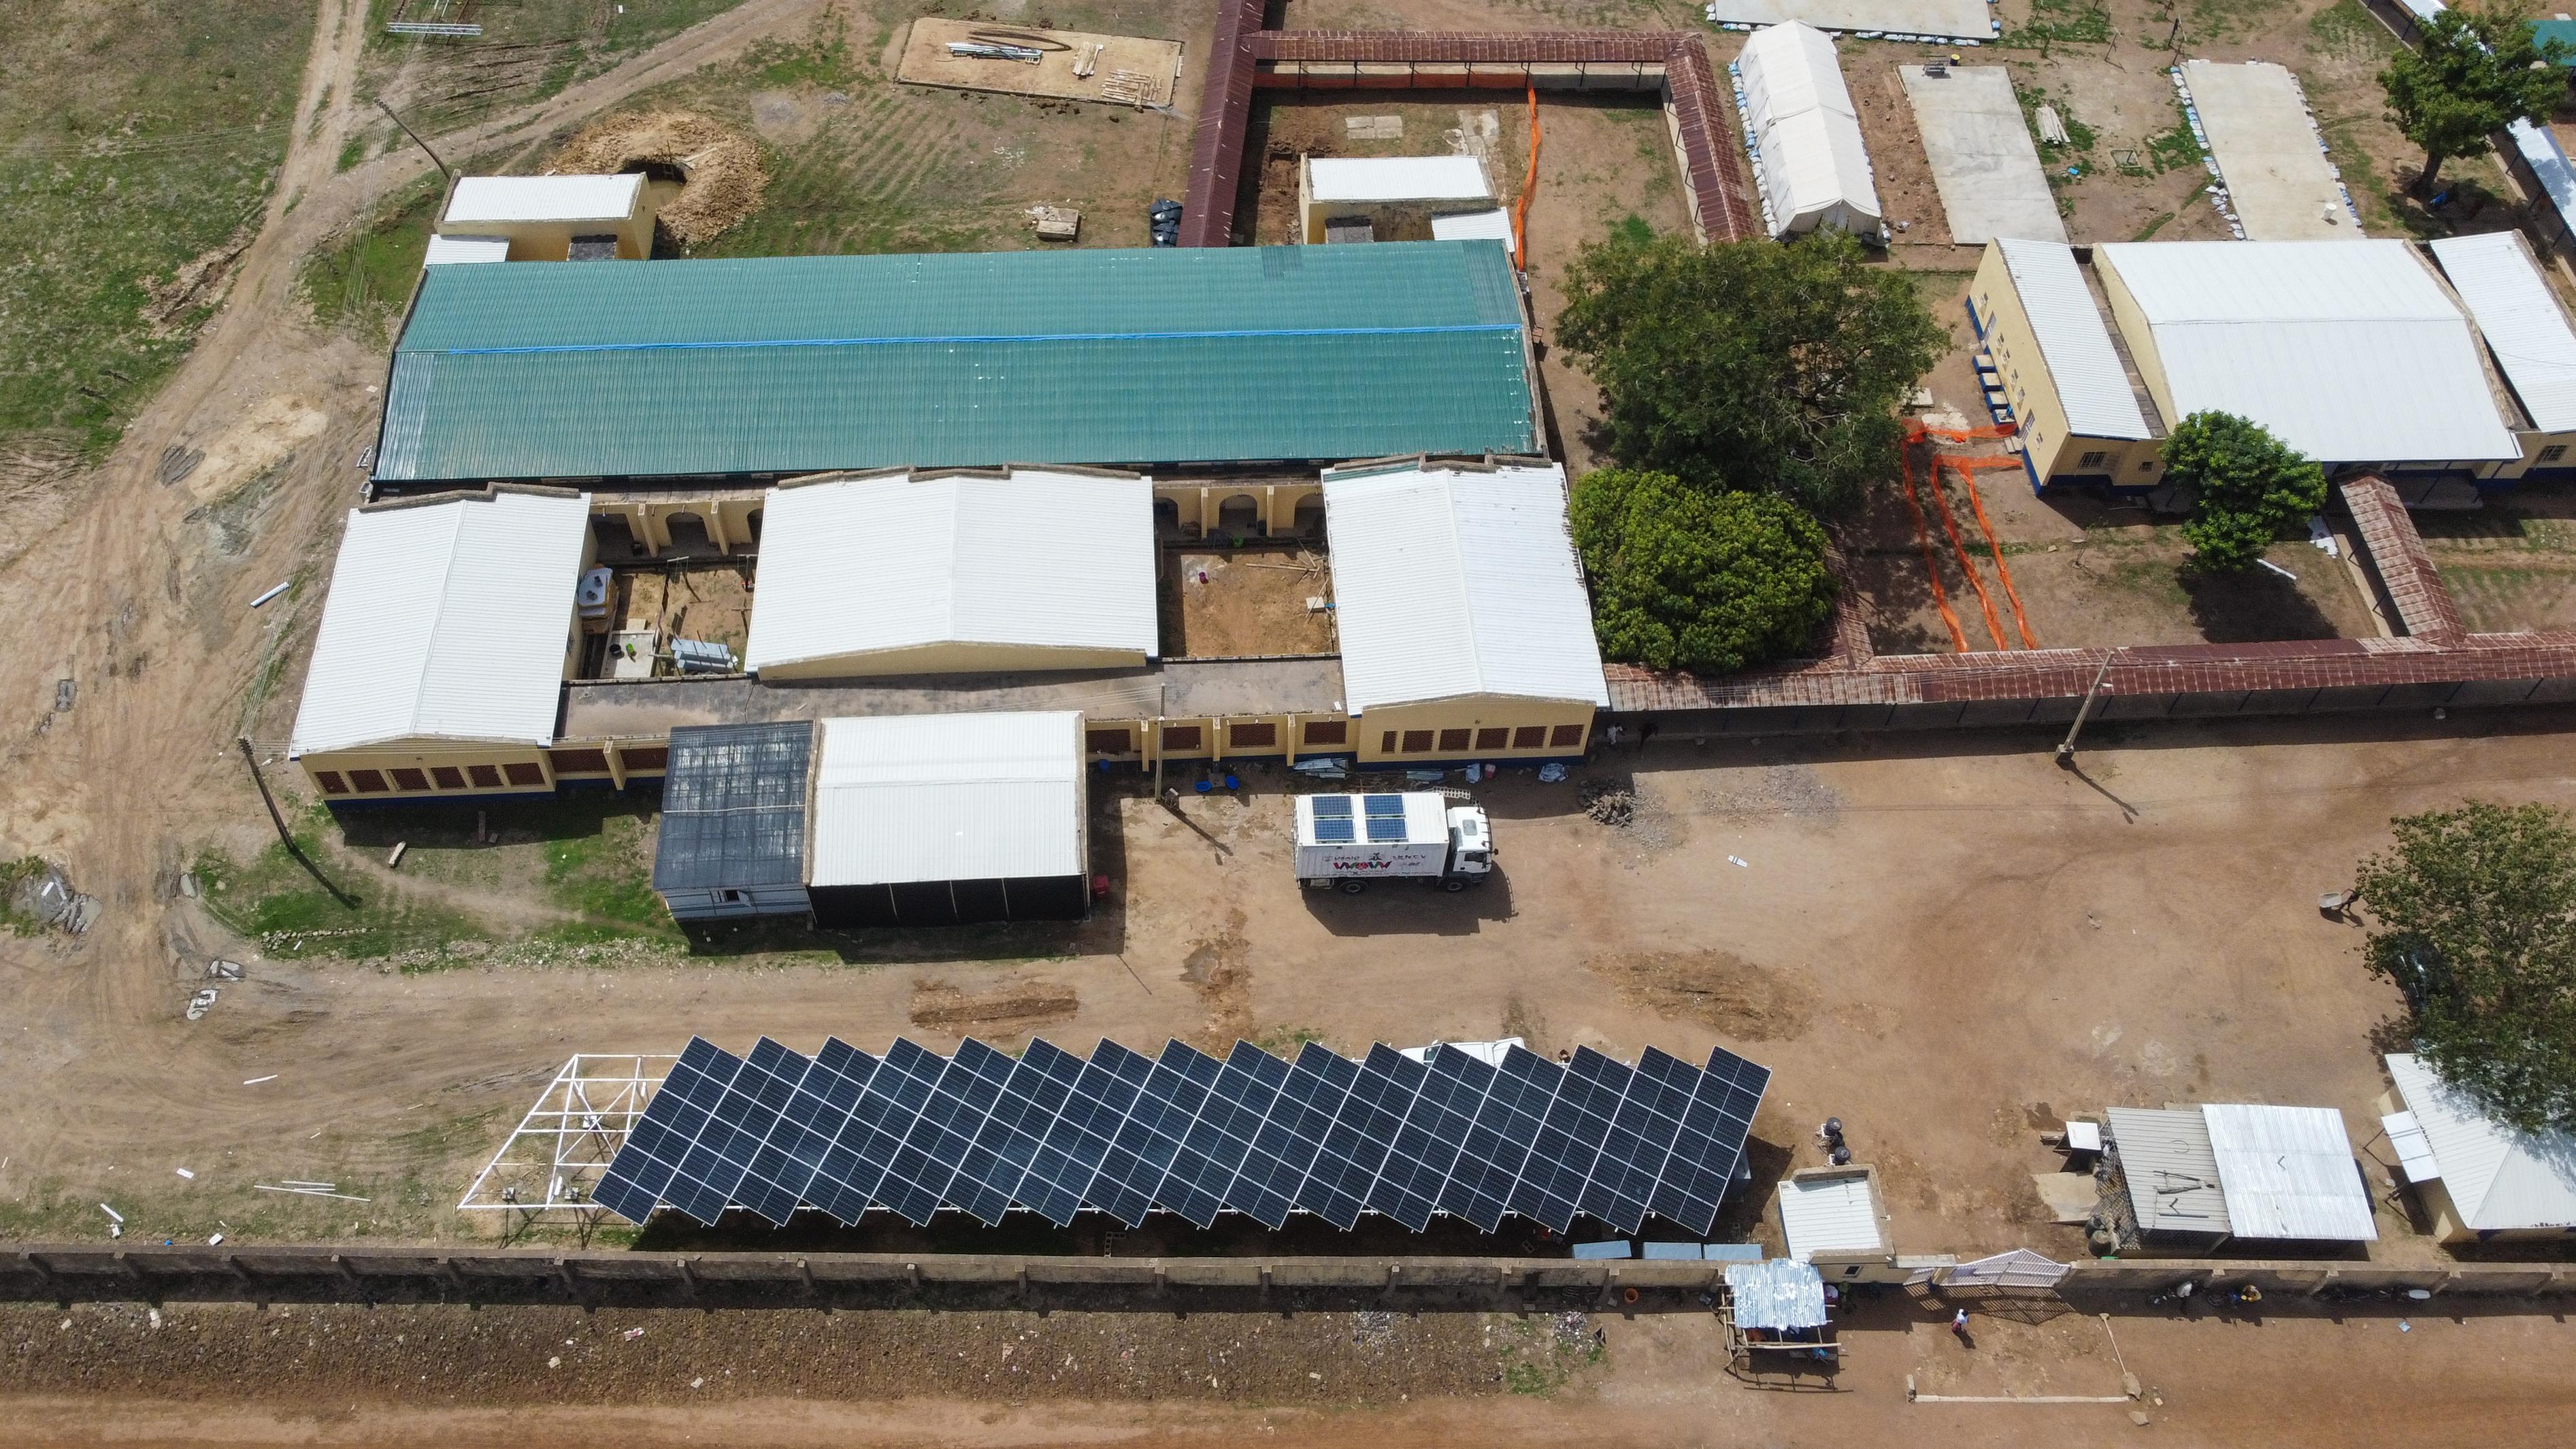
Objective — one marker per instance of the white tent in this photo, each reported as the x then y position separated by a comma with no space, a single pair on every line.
1805,136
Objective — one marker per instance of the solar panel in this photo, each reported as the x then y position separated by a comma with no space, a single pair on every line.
1330,831
1386,828
844,1132
1384,805
1332,806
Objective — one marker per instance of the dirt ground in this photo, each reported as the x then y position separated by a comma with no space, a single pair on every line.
1222,603
453,1376
2512,564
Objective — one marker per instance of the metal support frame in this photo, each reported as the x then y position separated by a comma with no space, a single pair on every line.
555,1156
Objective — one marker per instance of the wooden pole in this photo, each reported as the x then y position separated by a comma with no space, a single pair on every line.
443,173
286,837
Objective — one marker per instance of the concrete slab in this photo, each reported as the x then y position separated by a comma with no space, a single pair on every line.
2269,155
1983,162
1073,65
1950,19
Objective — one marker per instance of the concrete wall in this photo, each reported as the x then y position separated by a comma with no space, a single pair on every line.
730,516
1199,507
1467,729
451,769
551,241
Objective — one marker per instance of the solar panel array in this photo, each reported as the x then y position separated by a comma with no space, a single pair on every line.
842,1131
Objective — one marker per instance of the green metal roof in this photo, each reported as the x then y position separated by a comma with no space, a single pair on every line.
519,370
2544,31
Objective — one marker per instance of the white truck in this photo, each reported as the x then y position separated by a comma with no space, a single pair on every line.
1346,841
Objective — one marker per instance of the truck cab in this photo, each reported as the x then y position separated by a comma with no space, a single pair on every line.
1471,842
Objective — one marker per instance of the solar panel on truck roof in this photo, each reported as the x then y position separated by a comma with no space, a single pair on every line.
1385,829
1330,831
843,1132
1332,805
1386,805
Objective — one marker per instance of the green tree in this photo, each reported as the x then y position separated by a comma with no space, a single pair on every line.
2476,913
2251,485
1756,366
1684,578
2469,78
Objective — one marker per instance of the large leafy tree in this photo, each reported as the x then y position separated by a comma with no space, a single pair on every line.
2469,78
1755,366
1683,578
2476,915
2252,486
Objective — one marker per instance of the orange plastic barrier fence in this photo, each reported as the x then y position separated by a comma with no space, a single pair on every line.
1923,538
1967,469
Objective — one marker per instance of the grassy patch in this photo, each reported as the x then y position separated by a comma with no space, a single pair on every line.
272,899
2174,149
2344,28
528,51
13,874
1633,230
2060,22
362,280
2217,19
1284,1041
134,138
2157,224
607,878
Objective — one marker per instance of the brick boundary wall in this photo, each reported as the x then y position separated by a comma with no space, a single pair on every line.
1712,172
748,1280
2437,663
39,1273
2396,554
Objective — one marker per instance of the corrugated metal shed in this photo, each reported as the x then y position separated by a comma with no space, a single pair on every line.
2073,340
947,798
2288,1173
1777,1294
2520,317
856,567
485,199
1398,178
733,808
1830,1213
2349,351
1451,582
2499,1179
448,250
447,621
1815,170
2172,1172
808,364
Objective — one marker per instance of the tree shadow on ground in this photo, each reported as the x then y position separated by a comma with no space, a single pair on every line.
2254,606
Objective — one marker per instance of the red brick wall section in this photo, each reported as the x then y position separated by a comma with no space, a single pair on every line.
2152,671
2424,604
1711,164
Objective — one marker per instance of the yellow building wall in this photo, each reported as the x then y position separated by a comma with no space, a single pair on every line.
731,520
551,241
1200,507
2141,339
2054,450
1462,729
952,659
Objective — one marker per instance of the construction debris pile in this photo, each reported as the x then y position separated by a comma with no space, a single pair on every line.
1609,802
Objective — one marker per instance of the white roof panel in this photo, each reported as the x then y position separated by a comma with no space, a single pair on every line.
859,566
2349,351
1813,162
1836,1214
940,797
2172,1170
2414,1154
446,621
1451,582
1474,225
2073,340
2499,1178
1398,178
444,250
483,199
2520,317
2288,1173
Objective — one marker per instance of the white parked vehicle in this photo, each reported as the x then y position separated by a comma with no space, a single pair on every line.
1346,841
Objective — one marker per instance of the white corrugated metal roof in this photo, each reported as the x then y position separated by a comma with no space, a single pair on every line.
1450,582
2288,1173
1830,1214
542,198
2073,340
1398,178
2499,1179
1039,559
446,621
1474,225
2172,1172
940,797
1813,160
2349,351
445,250
2521,320
2414,1154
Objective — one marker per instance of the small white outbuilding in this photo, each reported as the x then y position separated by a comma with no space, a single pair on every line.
1805,135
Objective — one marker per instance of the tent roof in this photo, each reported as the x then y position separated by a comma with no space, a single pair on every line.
1801,114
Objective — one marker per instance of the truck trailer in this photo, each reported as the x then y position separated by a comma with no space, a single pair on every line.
1346,841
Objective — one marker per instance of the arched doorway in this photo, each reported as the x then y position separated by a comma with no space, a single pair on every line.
1310,516
1240,514
1167,518
688,533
